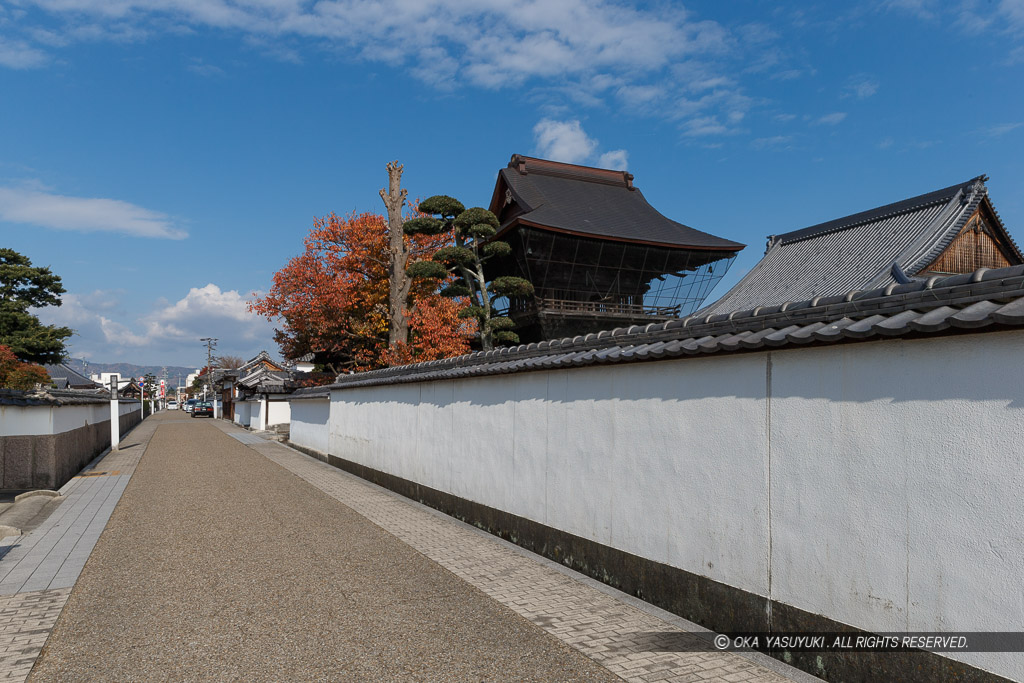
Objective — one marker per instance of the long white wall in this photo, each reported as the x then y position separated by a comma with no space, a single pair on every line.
878,484
309,423
49,419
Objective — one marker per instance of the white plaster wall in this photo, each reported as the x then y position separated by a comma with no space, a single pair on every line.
278,413
242,412
34,420
628,456
897,485
309,423
255,409
878,484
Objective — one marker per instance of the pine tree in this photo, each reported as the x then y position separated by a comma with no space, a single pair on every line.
22,287
473,230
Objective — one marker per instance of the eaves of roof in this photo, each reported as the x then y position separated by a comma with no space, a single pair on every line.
321,392
942,196
587,206
985,300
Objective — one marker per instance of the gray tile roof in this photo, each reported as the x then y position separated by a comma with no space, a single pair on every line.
976,302
594,202
855,252
51,397
311,393
64,377
258,358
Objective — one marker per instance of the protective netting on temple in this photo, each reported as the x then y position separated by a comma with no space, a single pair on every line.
583,284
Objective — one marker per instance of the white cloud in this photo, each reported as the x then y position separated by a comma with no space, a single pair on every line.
861,87
617,159
170,334
45,209
566,141
1002,129
773,142
563,141
586,50
17,54
925,9
830,119
537,38
207,70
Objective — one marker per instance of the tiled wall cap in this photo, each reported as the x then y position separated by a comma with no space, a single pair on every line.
954,280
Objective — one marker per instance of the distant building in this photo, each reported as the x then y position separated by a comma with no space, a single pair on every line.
103,378
950,231
64,377
599,256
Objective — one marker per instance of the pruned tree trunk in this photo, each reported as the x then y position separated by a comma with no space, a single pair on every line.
394,201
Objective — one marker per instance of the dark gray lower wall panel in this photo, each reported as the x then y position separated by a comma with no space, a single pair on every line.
699,599
48,461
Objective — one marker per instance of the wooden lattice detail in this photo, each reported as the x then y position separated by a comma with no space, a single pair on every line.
976,246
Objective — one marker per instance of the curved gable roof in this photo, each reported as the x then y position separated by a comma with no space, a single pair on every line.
591,202
856,251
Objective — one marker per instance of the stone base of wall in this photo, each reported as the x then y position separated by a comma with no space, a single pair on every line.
48,461
696,598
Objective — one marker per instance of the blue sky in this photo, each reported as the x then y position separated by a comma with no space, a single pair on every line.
165,157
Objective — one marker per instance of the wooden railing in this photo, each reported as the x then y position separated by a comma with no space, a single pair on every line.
609,308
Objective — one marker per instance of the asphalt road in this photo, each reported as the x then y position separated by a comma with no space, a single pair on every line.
219,565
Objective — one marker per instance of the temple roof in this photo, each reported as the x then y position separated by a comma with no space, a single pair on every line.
860,251
64,377
591,202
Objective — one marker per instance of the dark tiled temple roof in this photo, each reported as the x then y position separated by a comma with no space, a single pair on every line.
592,202
858,251
64,377
986,300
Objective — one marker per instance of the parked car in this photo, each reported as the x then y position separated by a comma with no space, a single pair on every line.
189,404
202,409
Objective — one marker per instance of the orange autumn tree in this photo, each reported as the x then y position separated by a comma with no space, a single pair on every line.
333,300
15,374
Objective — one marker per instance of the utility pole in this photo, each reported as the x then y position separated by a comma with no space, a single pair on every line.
211,343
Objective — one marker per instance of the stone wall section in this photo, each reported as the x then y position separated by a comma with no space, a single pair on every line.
48,461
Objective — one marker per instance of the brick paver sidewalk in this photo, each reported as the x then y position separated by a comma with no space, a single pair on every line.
38,570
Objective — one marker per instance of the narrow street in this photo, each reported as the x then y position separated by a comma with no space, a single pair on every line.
229,556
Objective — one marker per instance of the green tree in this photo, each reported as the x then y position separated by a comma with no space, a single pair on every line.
473,230
149,386
22,287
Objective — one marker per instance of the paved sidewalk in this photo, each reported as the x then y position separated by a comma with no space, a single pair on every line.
219,564
38,570
634,640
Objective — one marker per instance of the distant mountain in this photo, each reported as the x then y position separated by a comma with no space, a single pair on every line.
130,370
